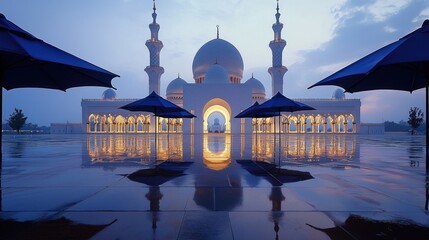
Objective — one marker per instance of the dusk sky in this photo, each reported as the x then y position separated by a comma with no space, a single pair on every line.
322,37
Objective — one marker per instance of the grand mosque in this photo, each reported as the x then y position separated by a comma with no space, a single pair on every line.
218,87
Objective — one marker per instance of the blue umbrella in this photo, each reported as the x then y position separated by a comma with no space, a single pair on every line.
26,61
401,65
180,114
156,105
279,103
251,113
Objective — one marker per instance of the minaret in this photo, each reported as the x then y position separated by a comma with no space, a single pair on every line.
154,71
277,45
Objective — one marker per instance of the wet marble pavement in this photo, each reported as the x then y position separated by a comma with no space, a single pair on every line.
363,187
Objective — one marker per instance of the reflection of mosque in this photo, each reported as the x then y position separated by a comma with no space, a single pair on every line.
217,71
218,150
216,127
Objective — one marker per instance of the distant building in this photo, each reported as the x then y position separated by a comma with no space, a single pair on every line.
66,128
372,128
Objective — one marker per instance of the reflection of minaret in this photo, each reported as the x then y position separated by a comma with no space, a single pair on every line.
154,71
276,198
154,196
277,45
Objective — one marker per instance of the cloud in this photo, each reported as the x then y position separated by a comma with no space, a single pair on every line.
381,10
389,29
330,68
424,14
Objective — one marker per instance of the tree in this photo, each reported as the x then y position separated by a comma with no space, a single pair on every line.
415,118
17,120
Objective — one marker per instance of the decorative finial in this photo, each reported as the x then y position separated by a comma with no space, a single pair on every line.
154,13
178,75
217,26
277,14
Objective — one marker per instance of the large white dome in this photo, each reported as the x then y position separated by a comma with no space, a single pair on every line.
258,89
222,52
216,74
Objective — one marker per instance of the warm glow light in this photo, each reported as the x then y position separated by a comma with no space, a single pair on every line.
217,151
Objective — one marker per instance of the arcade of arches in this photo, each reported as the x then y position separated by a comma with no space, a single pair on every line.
290,123
307,123
99,123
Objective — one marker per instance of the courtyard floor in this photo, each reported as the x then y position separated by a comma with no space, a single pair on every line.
363,187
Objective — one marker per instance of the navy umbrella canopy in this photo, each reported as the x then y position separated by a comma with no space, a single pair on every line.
401,65
154,104
26,61
251,113
180,114
279,103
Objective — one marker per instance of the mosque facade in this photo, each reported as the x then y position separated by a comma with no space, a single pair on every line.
218,88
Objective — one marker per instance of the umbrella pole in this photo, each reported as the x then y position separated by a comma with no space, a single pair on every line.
168,139
274,118
280,141
427,124
257,126
156,137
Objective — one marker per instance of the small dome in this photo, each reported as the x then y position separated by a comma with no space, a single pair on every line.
176,86
221,51
216,74
109,94
338,94
258,89
216,121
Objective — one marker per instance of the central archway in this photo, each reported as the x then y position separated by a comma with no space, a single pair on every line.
220,106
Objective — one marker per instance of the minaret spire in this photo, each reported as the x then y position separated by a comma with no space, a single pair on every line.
154,70
277,70
277,14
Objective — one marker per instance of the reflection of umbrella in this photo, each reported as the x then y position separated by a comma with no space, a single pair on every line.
280,103
251,113
154,176
401,65
274,176
26,61
162,173
174,166
61,228
357,227
154,104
